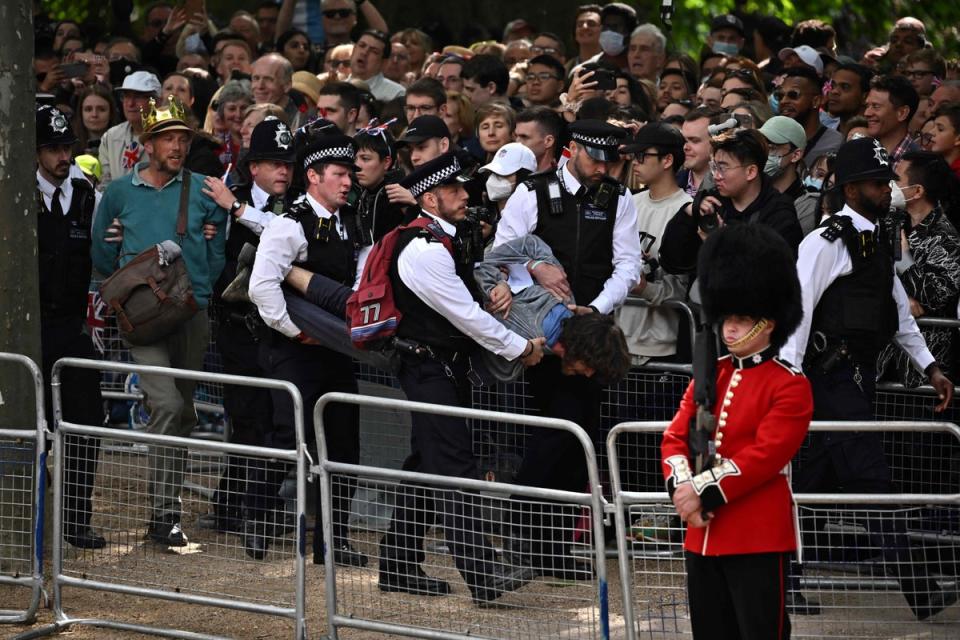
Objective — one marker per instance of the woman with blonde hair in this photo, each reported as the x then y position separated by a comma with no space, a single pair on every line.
496,123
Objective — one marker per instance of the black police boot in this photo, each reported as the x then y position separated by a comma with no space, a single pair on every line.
85,538
417,583
255,540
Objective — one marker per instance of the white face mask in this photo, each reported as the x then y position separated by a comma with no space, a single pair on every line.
897,199
611,42
498,188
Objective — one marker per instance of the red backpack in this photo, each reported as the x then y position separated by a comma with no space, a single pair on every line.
372,316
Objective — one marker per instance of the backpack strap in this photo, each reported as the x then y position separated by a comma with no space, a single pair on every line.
184,201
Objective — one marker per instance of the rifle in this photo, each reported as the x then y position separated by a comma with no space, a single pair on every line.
703,424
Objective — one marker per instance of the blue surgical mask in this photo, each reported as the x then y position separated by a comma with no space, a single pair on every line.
813,184
611,42
723,48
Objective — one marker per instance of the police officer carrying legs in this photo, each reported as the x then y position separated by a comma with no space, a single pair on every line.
853,305
66,206
252,206
442,322
315,233
590,223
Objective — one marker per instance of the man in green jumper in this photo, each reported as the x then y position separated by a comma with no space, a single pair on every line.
145,204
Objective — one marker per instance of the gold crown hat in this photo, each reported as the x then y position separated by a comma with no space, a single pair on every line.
172,117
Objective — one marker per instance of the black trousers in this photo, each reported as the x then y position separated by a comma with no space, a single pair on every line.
82,404
315,371
855,462
444,446
249,410
554,459
738,597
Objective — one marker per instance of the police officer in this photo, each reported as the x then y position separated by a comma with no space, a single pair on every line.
252,206
67,203
853,305
442,322
590,223
315,233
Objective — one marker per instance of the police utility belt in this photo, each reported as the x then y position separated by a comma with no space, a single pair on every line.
825,354
417,351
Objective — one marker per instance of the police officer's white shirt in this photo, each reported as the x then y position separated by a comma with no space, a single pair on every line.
47,189
255,215
428,270
281,244
819,263
520,219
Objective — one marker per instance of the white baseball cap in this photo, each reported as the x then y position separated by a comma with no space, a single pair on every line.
142,82
511,157
809,55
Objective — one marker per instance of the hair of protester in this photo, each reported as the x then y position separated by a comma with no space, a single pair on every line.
383,145
549,61
595,340
901,92
748,146
807,73
813,33
929,57
348,94
484,69
623,10
548,121
864,73
429,88
494,109
466,115
378,35
931,171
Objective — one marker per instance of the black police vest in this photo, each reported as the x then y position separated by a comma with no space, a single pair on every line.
327,253
421,323
64,255
859,307
579,230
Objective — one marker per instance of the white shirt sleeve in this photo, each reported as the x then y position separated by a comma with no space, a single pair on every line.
908,334
428,270
519,216
819,263
627,258
281,244
255,219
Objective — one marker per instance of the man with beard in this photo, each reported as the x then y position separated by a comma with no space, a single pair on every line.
848,90
146,203
853,305
317,233
800,96
67,206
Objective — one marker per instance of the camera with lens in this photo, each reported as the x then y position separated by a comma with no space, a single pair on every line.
708,223
471,231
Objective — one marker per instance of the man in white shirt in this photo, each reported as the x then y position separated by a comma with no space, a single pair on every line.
853,305
120,146
315,233
442,322
366,63
658,155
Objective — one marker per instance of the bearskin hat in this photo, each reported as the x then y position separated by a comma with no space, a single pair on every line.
749,270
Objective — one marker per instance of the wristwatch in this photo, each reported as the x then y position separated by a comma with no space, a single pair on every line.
235,207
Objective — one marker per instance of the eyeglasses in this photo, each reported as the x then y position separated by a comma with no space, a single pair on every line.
420,108
641,156
746,74
917,73
925,139
793,94
338,14
720,170
340,63
543,76
537,51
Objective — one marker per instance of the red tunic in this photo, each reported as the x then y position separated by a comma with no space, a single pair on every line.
764,407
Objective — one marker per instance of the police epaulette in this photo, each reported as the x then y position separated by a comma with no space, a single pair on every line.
621,188
836,227
298,208
531,181
786,365
432,232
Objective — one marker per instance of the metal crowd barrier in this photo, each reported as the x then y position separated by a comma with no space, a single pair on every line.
22,493
847,561
212,570
539,609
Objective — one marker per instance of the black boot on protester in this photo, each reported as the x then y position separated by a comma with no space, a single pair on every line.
505,578
255,539
417,583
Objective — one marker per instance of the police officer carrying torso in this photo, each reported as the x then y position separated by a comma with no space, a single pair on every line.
590,223
315,234
252,206
442,323
66,205
853,306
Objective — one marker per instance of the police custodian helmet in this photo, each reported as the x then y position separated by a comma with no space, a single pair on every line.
748,270
53,127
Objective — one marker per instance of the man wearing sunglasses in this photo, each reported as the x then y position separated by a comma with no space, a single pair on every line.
333,24
800,97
